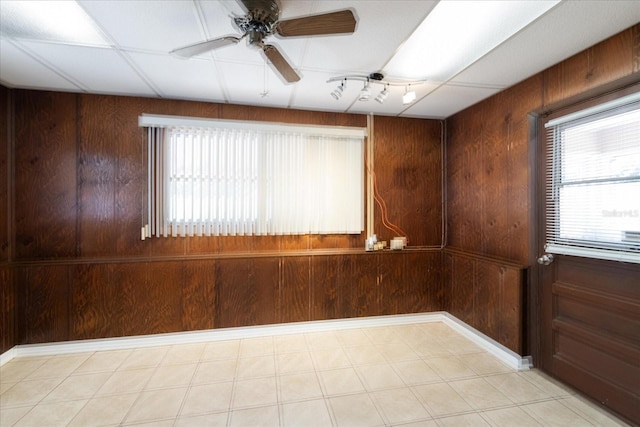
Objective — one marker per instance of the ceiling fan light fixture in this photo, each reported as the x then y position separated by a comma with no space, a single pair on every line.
365,93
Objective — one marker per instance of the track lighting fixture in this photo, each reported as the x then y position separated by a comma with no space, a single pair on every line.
375,78
383,95
409,96
365,93
337,93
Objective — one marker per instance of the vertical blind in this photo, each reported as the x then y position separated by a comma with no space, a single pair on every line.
593,182
210,178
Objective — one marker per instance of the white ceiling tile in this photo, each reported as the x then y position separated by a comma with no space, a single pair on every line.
254,85
448,100
218,20
99,70
382,26
551,39
18,69
159,26
194,78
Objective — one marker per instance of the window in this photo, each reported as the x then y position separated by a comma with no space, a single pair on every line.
593,182
210,178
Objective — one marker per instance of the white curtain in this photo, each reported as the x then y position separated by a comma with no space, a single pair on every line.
210,181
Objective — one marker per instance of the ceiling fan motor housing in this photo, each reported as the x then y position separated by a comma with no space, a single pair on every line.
259,22
254,38
261,14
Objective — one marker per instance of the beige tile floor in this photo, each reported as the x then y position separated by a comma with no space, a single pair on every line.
415,375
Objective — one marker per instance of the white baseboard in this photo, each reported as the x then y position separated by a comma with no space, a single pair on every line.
507,356
510,357
8,355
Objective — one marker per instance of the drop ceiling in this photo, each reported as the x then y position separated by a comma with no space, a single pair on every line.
122,47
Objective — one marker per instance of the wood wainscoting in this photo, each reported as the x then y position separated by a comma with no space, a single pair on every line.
8,309
488,294
63,301
81,300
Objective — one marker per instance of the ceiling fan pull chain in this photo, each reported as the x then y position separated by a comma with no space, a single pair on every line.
265,81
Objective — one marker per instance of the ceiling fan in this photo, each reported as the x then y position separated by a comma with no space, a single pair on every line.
262,21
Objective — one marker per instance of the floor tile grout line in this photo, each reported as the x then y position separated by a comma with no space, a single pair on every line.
98,389
277,381
40,401
323,389
558,400
188,388
234,384
411,389
201,359
581,415
143,388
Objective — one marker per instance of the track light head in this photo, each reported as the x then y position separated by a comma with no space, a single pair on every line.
382,96
365,93
337,93
408,97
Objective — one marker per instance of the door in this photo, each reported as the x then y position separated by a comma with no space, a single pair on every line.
589,307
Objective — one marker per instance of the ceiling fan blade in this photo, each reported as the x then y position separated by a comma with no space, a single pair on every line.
339,22
202,47
280,63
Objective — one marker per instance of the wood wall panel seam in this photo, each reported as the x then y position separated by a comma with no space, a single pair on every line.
215,256
484,258
636,48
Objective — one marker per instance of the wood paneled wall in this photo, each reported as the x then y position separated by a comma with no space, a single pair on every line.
8,309
489,161
488,175
95,300
81,270
8,297
5,119
402,179
490,168
80,180
487,294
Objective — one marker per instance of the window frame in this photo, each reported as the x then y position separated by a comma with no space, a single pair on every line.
159,171
555,244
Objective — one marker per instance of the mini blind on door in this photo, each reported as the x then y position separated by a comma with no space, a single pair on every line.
593,182
211,178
